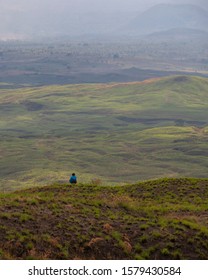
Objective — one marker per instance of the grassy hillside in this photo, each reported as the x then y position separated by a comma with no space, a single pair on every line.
159,219
113,132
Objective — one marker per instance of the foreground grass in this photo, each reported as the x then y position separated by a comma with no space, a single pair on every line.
160,219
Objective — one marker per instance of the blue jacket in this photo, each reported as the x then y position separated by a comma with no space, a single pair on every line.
73,180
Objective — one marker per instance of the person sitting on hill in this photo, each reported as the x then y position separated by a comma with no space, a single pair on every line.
73,179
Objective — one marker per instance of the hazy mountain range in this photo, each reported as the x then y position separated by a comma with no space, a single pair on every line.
165,17
21,24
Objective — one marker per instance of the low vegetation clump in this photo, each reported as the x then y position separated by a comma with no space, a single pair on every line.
157,219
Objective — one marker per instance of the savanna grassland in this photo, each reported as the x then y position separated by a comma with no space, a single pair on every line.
122,132
156,219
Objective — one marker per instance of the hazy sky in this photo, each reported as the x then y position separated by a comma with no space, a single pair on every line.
90,5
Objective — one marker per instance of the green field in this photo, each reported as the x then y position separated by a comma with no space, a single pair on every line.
112,132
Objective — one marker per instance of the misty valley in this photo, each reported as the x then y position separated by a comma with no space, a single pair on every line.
89,61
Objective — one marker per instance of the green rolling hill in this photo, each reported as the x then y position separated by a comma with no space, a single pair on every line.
114,133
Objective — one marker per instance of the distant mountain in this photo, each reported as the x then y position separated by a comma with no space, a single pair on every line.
183,34
164,17
28,23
